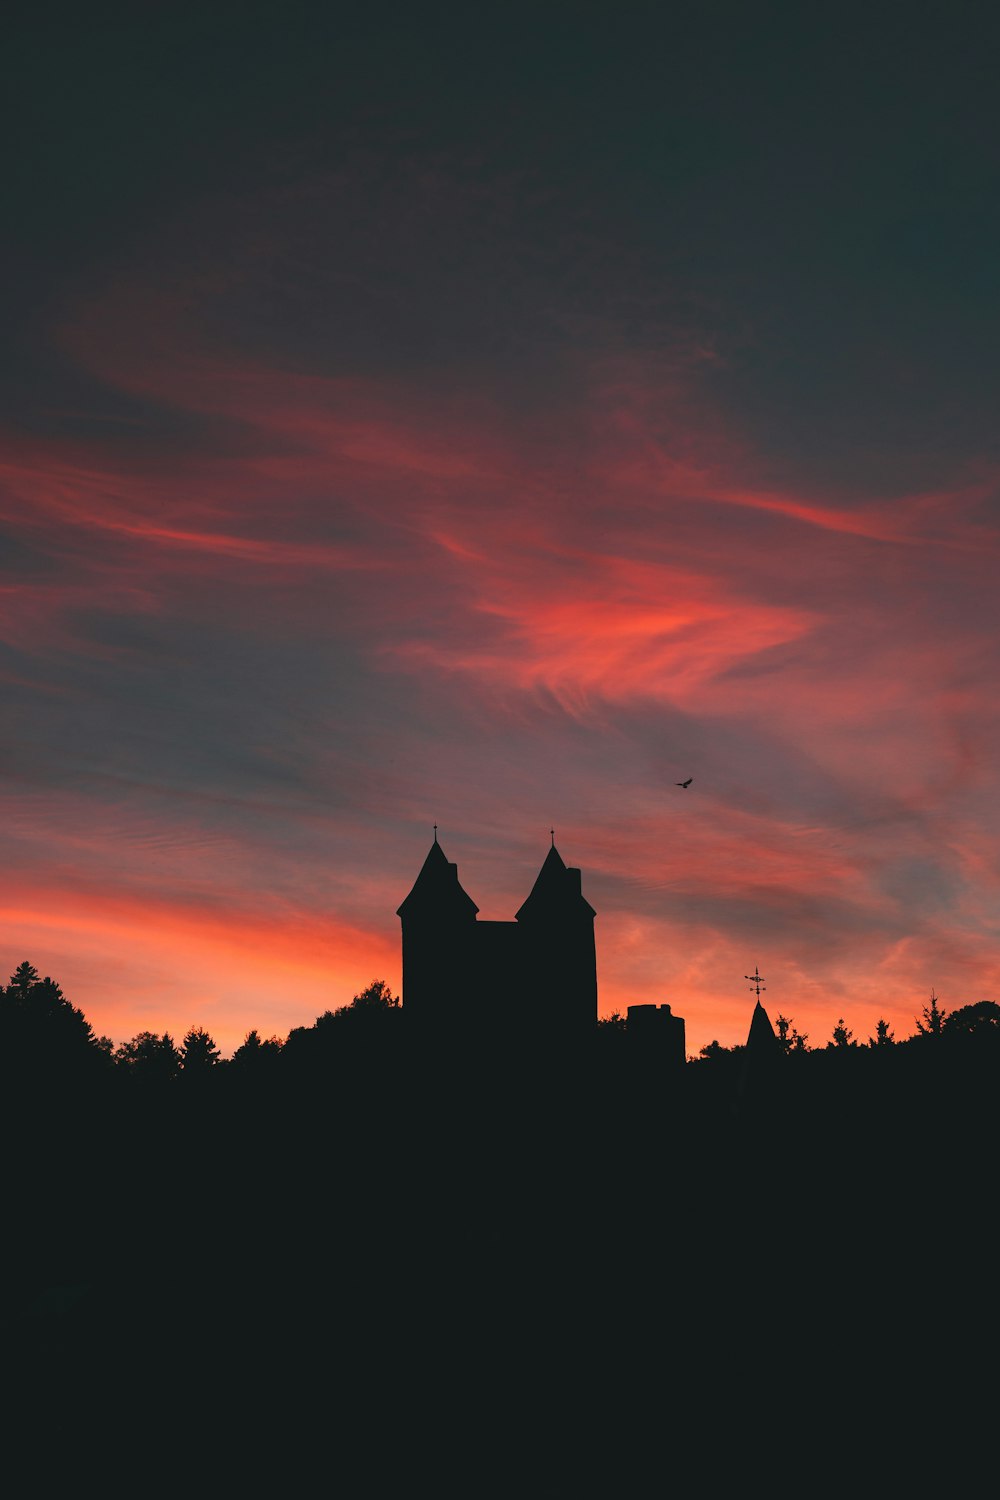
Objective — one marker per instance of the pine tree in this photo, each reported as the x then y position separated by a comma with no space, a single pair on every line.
199,1054
933,1018
842,1035
22,982
42,1031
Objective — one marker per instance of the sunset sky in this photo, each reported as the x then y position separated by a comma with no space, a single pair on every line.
419,413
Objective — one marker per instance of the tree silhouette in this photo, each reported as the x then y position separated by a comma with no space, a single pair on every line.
22,981
149,1057
842,1035
254,1056
883,1036
250,1047
377,996
714,1051
375,999
934,1017
790,1040
199,1054
980,1018
364,1016
42,1032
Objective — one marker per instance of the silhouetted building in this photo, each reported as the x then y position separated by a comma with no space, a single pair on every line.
538,972
760,1056
658,1032
761,1040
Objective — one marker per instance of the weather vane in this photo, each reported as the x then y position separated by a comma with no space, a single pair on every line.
757,981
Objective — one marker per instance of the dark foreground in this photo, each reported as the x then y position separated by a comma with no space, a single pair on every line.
488,1274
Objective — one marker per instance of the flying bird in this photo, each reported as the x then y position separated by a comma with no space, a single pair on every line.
684,783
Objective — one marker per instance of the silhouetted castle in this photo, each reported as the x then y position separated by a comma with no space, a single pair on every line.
538,972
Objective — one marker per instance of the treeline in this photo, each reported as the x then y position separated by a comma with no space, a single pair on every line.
43,1034
980,1019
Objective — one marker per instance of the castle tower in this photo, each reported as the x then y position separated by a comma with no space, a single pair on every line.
439,926
558,954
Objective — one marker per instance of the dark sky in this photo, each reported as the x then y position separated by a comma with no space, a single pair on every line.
492,418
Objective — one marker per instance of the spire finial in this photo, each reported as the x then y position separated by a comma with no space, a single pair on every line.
757,980
552,835
435,833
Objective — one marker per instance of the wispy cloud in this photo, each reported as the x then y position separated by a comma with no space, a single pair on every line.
280,614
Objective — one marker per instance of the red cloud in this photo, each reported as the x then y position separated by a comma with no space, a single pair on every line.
613,558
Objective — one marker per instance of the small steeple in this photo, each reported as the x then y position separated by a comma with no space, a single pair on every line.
761,1038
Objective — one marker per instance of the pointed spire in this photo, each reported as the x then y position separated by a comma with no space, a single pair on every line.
761,1038
556,889
436,890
